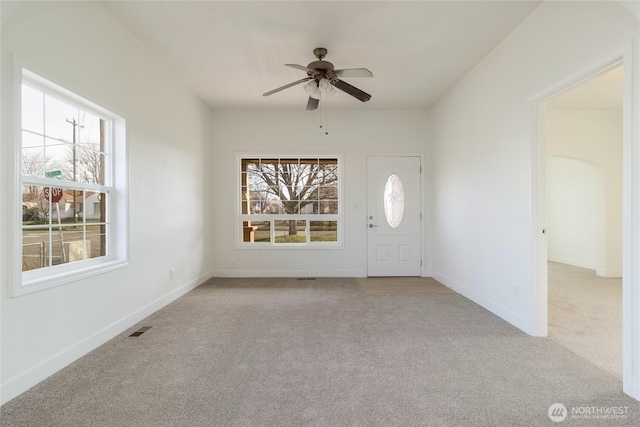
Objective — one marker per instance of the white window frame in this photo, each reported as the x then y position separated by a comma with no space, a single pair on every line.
116,174
240,217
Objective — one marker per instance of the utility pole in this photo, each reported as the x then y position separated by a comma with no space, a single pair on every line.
103,202
75,202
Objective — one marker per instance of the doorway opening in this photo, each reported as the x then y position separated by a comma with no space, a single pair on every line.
584,142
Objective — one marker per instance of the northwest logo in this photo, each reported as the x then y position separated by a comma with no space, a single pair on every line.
557,412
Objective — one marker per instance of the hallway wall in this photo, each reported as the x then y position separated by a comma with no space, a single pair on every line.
573,214
595,137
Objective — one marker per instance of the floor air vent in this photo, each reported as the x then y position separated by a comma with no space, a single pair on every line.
140,331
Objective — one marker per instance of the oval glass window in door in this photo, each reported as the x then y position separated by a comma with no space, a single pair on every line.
394,200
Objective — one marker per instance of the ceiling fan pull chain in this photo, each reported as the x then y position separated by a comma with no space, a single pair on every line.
321,118
326,114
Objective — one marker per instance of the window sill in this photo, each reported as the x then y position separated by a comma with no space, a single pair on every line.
290,246
53,279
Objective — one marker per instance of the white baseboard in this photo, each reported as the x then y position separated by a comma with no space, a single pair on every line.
288,273
602,272
515,319
575,262
608,273
24,381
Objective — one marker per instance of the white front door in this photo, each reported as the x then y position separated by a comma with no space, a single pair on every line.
393,216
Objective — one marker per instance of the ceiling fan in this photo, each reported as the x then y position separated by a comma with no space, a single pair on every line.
322,77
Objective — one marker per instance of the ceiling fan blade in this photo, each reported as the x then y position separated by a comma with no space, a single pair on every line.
312,104
351,90
271,92
303,68
353,72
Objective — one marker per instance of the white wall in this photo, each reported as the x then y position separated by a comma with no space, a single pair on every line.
595,137
482,151
81,46
573,212
353,134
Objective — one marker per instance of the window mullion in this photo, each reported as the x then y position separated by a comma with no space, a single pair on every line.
272,232
84,225
59,183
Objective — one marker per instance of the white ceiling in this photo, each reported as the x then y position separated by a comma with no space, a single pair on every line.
230,53
604,92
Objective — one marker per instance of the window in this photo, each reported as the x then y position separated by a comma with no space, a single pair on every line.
393,200
72,187
289,202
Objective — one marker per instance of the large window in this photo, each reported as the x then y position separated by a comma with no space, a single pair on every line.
289,201
72,187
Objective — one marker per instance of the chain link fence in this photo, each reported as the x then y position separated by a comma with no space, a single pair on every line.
33,256
36,255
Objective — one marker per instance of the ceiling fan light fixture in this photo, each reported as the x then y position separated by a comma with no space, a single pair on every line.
325,86
312,89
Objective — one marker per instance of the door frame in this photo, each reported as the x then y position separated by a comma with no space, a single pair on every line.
425,232
631,208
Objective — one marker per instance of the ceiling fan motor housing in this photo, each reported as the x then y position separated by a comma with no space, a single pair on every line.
321,66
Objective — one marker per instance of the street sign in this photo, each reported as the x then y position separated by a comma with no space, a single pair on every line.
53,194
53,174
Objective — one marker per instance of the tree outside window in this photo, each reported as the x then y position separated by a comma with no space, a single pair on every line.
288,193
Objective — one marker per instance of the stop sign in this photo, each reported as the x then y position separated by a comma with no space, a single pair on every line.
53,194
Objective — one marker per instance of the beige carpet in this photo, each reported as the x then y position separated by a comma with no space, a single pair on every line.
585,315
284,352
402,285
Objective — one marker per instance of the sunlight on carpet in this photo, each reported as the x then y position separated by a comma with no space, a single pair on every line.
402,285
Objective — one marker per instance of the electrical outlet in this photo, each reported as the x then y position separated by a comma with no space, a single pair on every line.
233,264
172,273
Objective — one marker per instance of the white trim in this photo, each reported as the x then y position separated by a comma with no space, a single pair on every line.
89,268
631,208
72,185
539,325
43,84
24,381
587,74
589,265
288,273
117,188
517,320
631,222
609,273
68,88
